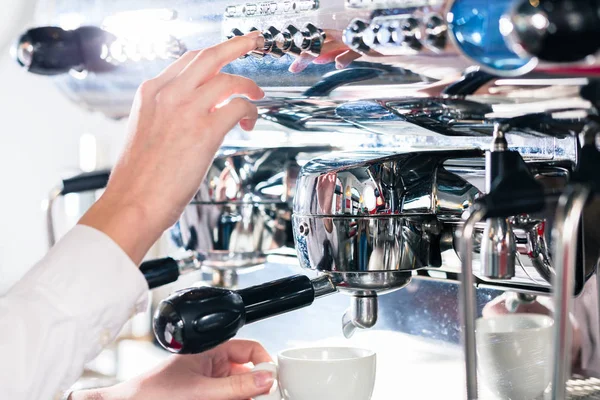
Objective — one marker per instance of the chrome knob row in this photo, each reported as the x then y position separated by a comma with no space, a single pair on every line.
396,31
291,40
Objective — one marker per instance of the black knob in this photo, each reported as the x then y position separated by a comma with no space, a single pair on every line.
270,42
52,50
285,41
406,33
197,319
256,54
310,40
353,35
436,32
555,30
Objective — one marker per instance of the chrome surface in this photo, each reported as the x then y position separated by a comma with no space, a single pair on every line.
498,247
323,286
564,234
377,211
362,314
468,312
48,208
242,211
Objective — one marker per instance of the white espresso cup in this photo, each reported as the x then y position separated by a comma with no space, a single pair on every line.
322,373
514,355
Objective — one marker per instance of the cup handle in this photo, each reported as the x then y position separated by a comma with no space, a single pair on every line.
274,394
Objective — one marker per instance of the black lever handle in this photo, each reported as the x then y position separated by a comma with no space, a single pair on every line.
197,319
85,182
52,50
160,272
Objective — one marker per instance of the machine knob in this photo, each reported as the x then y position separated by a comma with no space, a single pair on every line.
285,41
53,50
369,36
435,32
407,33
384,34
270,42
353,35
310,40
256,54
555,30
236,32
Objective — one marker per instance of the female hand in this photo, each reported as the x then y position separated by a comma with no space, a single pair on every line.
218,374
177,123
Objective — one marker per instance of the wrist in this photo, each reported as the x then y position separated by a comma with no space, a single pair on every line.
117,392
128,225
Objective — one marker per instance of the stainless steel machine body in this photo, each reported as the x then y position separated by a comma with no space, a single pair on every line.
422,152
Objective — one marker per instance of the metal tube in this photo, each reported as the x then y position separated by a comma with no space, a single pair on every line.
49,210
467,301
323,286
564,238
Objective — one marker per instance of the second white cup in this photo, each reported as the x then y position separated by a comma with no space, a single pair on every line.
322,373
514,355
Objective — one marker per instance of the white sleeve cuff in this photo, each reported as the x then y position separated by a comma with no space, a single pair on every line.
92,281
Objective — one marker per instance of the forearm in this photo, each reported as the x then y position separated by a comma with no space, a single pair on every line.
117,392
128,225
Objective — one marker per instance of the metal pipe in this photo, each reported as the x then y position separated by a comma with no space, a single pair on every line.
467,301
49,209
564,238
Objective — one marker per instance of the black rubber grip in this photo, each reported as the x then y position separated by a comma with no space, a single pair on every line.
160,272
277,297
86,182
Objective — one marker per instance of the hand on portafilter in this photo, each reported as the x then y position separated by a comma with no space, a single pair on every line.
177,123
218,374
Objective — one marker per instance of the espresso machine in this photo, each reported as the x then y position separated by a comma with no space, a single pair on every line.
448,142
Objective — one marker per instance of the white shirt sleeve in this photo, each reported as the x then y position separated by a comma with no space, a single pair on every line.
63,311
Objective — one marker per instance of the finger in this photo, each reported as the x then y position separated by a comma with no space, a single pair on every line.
246,351
223,86
237,387
175,68
332,35
344,59
238,369
230,114
330,51
208,62
301,63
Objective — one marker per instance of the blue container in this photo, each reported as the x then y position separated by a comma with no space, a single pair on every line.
476,27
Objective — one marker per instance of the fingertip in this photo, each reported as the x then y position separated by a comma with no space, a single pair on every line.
247,124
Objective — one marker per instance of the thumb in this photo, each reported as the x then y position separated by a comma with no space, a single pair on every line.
238,387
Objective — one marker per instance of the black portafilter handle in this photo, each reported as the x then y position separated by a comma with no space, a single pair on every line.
51,50
197,319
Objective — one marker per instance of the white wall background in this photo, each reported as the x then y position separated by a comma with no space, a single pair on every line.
39,145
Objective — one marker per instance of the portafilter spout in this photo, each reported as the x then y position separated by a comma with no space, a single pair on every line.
197,319
362,314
